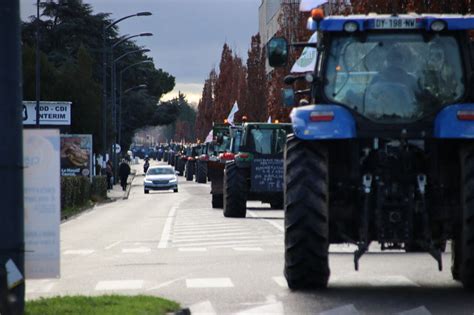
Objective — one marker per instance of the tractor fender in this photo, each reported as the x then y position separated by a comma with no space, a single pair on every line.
341,126
447,125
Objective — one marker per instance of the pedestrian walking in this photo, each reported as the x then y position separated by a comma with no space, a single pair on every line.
124,171
109,172
146,165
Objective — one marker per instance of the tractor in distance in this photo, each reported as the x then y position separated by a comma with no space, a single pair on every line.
256,173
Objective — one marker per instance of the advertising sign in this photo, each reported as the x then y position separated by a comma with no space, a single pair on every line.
76,155
51,113
42,200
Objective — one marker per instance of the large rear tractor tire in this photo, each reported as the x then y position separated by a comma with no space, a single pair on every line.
306,194
201,172
463,243
217,201
235,192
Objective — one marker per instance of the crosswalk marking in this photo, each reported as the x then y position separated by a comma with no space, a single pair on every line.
139,250
119,285
81,252
219,232
209,283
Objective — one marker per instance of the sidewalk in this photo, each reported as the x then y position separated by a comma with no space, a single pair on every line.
117,193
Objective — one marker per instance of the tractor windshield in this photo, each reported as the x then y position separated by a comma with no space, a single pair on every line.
267,141
396,77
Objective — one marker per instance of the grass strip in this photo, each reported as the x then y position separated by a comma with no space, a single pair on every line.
101,305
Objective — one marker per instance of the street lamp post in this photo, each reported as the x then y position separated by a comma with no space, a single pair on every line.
120,95
113,89
105,28
119,112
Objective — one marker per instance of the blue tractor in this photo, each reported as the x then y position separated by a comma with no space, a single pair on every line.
386,153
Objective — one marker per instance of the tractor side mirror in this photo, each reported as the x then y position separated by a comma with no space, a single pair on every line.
288,97
277,49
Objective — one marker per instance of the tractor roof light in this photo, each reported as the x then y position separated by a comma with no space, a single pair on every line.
317,14
351,27
438,26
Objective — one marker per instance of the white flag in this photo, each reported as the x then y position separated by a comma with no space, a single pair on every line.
234,110
269,120
308,5
209,137
307,61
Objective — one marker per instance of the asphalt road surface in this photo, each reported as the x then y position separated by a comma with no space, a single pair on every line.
176,246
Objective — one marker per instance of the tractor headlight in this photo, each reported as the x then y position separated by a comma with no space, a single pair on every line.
351,27
438,26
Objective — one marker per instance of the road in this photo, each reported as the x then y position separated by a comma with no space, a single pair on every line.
176,246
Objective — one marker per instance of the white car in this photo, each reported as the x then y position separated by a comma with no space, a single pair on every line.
161,177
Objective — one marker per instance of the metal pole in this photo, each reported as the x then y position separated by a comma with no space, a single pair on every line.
104,95
11,149
120,111
38,65
113,107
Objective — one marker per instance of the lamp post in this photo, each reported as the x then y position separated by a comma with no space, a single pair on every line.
120,91
119,114
114,91
105,28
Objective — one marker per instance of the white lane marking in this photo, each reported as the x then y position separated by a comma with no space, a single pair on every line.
39,286
119,285
281,281
165,236
416,311
165,284
202,308
82,252
138,250
227,243
209,283
248,249
192,249
342,310
200,230
274,224
113,245
236,236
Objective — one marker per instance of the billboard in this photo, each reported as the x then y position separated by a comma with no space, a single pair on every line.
76,155
51,113
42,199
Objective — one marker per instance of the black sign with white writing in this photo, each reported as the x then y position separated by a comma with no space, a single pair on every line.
267,174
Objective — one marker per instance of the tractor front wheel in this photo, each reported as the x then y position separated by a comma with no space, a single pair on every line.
306,214
235,191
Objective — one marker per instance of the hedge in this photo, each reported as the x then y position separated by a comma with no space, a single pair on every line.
78,191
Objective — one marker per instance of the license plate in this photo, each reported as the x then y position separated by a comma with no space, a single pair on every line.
395,23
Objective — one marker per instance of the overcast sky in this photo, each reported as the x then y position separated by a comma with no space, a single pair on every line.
188,34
